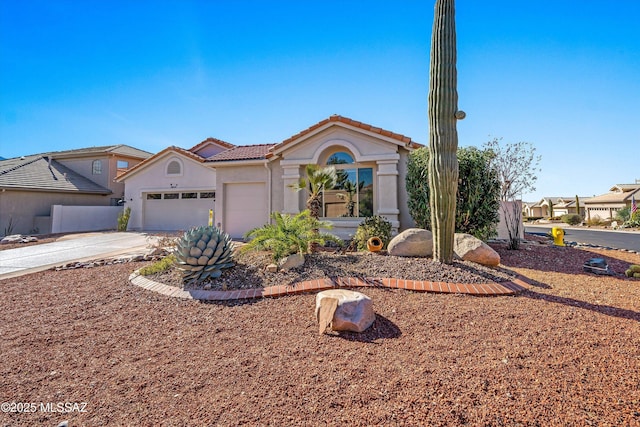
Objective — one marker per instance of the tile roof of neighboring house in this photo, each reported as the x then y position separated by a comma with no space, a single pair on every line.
348,121
625,187
242,152
617,196
123,150
37,173
211,140
151,159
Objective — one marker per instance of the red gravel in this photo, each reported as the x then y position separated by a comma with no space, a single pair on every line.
567,352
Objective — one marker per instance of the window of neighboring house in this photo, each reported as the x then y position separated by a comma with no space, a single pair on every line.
122,164
189,195
154,196
171,196
96,167
174,167
208,195
352,196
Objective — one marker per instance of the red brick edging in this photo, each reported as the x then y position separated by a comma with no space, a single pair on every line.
479,289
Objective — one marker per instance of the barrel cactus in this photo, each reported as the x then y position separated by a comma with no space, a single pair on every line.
203,252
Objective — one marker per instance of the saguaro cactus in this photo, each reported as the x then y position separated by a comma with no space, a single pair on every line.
443,135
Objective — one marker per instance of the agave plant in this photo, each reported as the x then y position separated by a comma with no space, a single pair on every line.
203,252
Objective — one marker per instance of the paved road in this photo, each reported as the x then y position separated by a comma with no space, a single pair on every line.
609,238
79,247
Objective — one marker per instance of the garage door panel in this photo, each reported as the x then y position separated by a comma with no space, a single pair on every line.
176,214
245,207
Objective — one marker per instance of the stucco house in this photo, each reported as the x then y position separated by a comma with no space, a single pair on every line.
176,188
561,206
31,185
605,206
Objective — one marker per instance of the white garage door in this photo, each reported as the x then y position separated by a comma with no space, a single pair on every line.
245,207
177,210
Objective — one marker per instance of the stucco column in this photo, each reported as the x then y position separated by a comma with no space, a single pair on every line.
388,190
291,177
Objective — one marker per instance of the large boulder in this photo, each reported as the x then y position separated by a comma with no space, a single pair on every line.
344,310
472,249
413,242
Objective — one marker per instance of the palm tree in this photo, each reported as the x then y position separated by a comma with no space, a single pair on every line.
318,179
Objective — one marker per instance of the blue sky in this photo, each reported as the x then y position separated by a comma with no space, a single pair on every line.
561,74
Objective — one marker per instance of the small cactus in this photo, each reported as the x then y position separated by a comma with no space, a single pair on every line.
203,252
633,271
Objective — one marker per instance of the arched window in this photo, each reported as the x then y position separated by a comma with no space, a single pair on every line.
353,194
96,167
174,167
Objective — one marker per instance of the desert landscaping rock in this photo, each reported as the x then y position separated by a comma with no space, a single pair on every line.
470,248
414,242
292,261
17,238
353,312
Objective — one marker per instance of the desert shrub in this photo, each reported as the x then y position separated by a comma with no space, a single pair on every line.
289,234
633,221
624,214
571,219
478,197
159,266
123,219
373,226
596,220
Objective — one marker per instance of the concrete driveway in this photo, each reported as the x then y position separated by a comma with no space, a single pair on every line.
76,247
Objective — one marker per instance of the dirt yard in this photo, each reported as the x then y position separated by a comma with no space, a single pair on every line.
87,346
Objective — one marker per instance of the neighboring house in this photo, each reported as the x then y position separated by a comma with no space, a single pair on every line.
31,185
561,206
605,206
242,185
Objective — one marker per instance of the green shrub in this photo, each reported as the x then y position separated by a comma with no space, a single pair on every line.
571,219
478,197
123,219
373,226
158,267
203,252
624,214
288,235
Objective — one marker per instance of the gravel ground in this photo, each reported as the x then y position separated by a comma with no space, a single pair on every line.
249,271
565,352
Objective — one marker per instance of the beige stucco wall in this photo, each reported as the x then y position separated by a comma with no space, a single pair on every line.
22,207
251,172
406,221
195,176
84,166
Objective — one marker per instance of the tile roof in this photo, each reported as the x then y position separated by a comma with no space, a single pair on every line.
354,123
243,152
36,173
615,197
123,150
211,140
151,159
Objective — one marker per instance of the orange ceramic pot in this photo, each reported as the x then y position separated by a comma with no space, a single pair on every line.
374,244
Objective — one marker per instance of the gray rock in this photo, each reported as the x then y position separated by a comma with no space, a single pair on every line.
413,242
353,310
292,261
17,238
472,249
